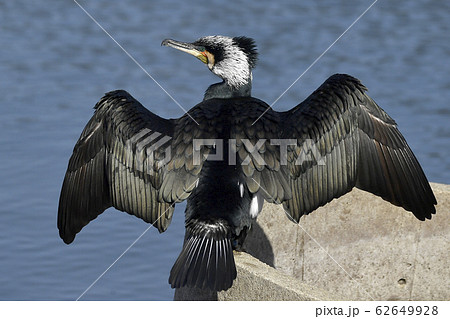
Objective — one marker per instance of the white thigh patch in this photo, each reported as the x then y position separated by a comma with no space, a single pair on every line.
256,205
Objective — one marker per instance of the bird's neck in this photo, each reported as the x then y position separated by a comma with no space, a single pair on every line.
223,90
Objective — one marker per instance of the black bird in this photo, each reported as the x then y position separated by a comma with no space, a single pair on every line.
231,152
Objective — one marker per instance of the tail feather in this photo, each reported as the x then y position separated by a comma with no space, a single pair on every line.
206,260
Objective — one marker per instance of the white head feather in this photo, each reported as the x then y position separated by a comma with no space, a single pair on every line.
234,66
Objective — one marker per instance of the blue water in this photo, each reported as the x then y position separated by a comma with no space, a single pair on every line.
55,64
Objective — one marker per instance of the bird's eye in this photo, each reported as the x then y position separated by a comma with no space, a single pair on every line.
201,49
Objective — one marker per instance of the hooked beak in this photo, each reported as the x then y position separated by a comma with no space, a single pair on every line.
197,51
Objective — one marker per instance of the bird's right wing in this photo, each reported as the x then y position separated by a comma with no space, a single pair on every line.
131,159
344,139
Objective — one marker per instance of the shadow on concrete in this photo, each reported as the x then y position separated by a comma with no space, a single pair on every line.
258,245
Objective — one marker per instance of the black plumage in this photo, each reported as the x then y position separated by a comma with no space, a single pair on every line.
131,159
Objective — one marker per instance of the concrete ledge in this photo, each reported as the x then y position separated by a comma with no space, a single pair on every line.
258,281
358,247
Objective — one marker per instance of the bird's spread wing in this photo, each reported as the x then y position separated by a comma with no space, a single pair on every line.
127,157
344,139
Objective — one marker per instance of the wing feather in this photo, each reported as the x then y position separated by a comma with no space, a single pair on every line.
120,161
359,145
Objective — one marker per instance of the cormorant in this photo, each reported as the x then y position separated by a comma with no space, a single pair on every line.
228,154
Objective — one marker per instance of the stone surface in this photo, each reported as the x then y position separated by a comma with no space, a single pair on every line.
358,247
361,247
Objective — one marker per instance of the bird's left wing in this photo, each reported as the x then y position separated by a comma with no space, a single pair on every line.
131,159
344,139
